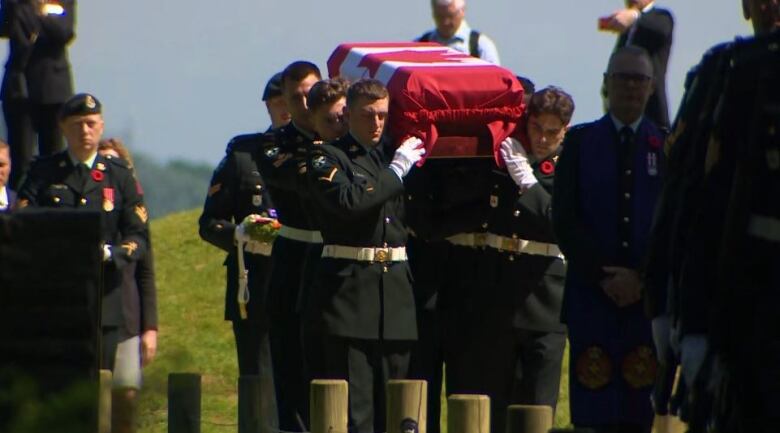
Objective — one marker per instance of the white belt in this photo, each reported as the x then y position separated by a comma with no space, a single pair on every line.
370,254
310,236
261,248
764,227
503,243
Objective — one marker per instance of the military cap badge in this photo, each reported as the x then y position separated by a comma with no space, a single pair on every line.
89,102
318,162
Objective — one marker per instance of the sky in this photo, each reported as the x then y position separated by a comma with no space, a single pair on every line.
178,79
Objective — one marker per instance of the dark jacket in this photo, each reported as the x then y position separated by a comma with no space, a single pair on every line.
360,204
109,188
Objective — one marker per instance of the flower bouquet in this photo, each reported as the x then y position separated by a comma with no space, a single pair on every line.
261,228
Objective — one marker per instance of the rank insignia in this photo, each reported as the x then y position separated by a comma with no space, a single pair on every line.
130,247
318,162
493,201
143,215
100,166
108,199
593,368
257,200
639,367
213,189
330,176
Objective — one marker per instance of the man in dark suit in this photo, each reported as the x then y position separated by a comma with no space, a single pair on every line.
37,78
7,195
79,178
607,180
361,301
644,25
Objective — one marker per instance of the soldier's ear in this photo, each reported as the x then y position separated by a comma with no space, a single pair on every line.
746,9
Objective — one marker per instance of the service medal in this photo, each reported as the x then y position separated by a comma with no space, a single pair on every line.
108,199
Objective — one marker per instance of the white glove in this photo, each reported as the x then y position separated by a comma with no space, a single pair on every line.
106,252
240,234
408,153
517,164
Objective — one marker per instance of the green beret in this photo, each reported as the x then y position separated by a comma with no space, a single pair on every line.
273,87
80,105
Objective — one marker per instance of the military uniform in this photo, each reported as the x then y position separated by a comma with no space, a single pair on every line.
605,192
519,342
362,297
237,190
282,161
107,187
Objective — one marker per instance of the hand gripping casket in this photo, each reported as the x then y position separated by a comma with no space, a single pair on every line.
460,106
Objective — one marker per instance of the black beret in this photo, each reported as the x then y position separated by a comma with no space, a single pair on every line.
273,87
80,105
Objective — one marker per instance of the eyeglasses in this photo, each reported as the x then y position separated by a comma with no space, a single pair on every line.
626,77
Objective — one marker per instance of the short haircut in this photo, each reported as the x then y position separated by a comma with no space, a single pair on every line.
528,86
552,100
368,88
4,145
459,4
630,50
295,72
327,92
118,146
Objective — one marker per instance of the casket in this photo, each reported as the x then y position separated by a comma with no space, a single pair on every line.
460,106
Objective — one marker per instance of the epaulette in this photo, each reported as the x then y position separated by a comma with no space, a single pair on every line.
247,142
119,162
42,163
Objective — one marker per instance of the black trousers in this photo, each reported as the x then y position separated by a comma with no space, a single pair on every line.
252,347
367,365
109,343
427,363
511,366
24,120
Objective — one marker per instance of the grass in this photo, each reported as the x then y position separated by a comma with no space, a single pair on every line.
193,337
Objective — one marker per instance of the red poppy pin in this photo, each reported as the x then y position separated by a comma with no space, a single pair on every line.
654,142
547,167
98,175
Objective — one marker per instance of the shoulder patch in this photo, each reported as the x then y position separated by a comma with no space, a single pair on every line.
319,162
271,152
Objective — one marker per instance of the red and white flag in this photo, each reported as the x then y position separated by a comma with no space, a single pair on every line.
435,90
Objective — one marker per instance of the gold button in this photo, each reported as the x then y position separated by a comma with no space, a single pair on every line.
56,199
258,187
387,220
517,213
83,201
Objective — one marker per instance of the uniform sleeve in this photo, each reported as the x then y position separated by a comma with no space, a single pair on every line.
345,195
536,203
29,193
132,223
58,29
654,31
582,251
216,225
488,50
147,290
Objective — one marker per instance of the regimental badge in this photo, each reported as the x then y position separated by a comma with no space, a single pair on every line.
89,101
652,164
271,152
100,166
640,367
213,189
593,368
108,199
143,215
257,200
494,201
318,162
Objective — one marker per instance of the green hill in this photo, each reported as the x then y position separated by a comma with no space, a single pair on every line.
193,337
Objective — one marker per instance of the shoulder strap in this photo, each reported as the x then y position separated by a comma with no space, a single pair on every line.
474,43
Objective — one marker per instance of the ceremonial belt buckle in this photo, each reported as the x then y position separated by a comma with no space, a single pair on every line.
381,255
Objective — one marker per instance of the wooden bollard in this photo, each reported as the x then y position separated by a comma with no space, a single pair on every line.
407,406
104,401
250,401
329,406
528,419
184,403
468,414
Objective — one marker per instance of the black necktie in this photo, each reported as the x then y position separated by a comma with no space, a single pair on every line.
83,174
626,135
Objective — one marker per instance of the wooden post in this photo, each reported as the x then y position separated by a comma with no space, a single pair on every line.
407,406
529,419
468,414
250,400
329,406
104,401
184,403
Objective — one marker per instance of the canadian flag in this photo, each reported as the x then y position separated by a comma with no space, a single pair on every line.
435,90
